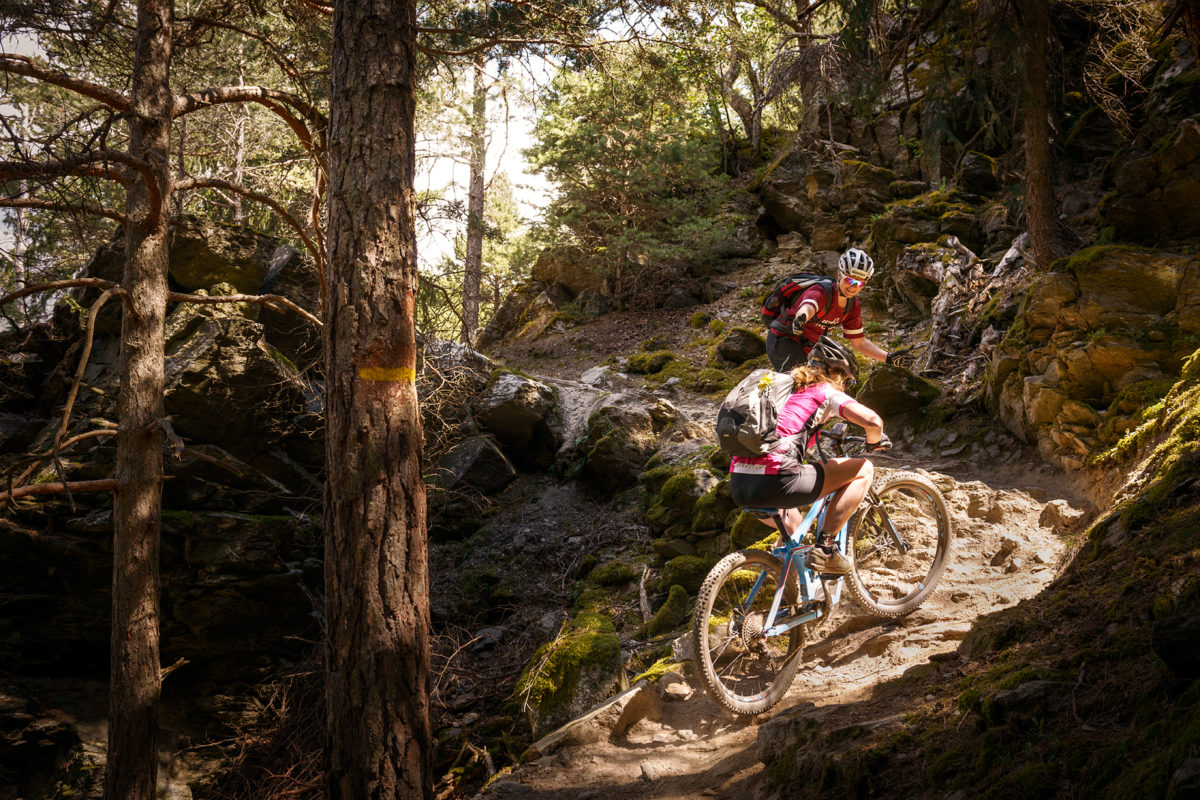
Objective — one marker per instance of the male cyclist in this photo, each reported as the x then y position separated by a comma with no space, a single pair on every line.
798,327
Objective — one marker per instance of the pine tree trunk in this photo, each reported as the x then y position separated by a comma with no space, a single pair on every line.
1046,233
473,264
135,680
378,738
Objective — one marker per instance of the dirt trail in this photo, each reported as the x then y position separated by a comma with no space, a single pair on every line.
697,750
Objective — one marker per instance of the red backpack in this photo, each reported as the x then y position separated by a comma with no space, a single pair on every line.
791,286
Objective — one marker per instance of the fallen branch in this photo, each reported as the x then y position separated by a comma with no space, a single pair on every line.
93,312
261,299
101,485
643,600
95,283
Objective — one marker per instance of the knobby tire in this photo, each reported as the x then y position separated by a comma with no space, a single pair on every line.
884,580
741,672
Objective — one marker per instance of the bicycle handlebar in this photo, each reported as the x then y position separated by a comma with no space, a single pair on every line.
844,444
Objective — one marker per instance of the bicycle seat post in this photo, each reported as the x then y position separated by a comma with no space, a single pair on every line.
784,534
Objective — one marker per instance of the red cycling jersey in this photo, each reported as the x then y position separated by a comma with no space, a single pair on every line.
849,317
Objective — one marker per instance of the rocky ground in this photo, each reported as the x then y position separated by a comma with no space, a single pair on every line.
1008,545
1011,518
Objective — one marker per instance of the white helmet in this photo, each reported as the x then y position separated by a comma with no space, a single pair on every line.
856,264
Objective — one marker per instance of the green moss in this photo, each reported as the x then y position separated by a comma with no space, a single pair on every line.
655,671
699,319
712,380
686,571
587,640
649,363
654,478
669,616
931,205
1082,259
681,491
611,574
749,531
716,327
710,511
593,600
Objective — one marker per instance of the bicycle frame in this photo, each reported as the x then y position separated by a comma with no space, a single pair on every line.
792,553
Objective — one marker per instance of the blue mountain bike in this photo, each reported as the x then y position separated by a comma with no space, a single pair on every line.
756,607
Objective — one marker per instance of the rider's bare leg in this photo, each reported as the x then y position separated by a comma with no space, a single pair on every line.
791,518
853,478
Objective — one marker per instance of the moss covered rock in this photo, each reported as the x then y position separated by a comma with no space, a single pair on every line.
686,487
620,437
571,674
611,574
892,392
710,511
687,571
741,344
747,531
670,615
649,363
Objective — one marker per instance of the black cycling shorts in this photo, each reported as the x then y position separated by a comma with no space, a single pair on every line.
782,490
785,353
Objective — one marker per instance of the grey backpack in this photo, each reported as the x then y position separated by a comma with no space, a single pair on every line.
747,418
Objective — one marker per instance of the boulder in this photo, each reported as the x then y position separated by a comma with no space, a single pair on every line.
566,268
520,412
620,436
687,486
893,392
476,463
225,385
741,344
204,253
572,673
508,317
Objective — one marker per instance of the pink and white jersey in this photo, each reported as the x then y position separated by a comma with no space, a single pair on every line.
820,403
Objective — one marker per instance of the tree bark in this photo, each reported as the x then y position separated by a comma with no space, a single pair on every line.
1050,241
473,263
379,743
135,681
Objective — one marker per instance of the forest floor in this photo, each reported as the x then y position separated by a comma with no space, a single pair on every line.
693,748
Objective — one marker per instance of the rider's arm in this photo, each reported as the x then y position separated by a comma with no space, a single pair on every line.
806,307
864,417
806,311
868,348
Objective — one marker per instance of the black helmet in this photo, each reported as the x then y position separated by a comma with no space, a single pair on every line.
830,357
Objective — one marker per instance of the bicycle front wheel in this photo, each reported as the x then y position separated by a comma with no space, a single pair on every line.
743,671
899,545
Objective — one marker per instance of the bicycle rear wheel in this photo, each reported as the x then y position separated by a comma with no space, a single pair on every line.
742,671
893,578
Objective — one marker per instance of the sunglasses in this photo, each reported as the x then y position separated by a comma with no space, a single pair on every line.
853,283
